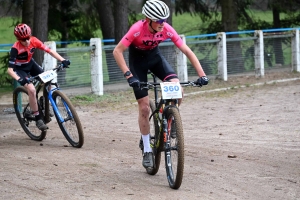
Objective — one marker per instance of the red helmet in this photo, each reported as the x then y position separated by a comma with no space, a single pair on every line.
22,31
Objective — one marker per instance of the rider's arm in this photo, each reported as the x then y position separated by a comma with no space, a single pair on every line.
37,43
193,59
11,63
56,55
118,54
11,72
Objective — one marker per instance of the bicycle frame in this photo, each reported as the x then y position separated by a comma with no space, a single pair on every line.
167,134
48,97
164,104
47,93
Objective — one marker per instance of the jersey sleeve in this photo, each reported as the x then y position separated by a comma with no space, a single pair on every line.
132,33
40,45
173,35
12,57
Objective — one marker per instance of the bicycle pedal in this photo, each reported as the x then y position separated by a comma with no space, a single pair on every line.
29,116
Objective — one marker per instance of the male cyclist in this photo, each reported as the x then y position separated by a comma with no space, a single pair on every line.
142,39
21,64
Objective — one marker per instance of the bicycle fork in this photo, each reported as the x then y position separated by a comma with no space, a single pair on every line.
167,145
55,108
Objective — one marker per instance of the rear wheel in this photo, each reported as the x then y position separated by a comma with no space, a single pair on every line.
155,140
24,114
174,150
70,124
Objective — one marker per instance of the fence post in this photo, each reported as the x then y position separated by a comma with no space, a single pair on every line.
222,56
50,62
259,54
96,66
181,63
295,51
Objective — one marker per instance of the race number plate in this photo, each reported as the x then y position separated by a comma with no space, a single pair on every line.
47,76
171,90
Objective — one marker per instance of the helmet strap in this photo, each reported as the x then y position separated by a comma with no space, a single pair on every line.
152,27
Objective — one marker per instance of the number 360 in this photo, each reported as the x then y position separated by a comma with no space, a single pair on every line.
171,88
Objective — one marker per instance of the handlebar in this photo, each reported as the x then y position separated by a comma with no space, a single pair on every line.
57,69
152,85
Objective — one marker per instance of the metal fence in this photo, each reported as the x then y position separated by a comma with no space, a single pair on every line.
240,57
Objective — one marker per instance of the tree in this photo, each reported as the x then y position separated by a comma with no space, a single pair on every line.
106,18
230,23
121,19
169,4
113,17
40,26
28,12
278,7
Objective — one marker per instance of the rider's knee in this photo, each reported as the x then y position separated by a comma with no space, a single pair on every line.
31,89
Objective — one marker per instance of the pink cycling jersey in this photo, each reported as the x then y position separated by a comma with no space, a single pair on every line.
140,36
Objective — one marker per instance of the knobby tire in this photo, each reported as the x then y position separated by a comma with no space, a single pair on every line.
174,169
24,114
155,142
72,128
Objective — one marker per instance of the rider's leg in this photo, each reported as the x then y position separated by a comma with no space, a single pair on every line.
32,97
177,80
144,110
34,107
143,120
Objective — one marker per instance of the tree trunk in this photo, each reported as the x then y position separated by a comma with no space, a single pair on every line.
277,42
121,19
106,18
230,23
169,51
28,12
121,28
169,4
40,26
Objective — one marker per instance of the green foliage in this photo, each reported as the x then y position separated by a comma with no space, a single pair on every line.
6,30
69,22
133,17
5,79
103,100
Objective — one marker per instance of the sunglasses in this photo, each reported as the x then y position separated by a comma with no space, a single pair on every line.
25,39
160,21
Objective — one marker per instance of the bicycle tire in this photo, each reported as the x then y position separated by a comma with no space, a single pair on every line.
65,108
155,142
174,154
24,114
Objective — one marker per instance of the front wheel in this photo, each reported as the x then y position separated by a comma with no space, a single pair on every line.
174,149
70,124
24,114
156,141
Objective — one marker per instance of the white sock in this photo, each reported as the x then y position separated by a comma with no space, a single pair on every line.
146,142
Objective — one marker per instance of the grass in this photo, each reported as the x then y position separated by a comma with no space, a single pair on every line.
215,89
6,31
112,98
5,89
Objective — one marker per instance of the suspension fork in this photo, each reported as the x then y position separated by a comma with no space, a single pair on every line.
46,104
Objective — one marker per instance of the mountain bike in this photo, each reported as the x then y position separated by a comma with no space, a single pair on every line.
48,93
166,131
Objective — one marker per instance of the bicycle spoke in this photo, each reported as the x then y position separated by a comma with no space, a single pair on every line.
174,152
70,126
25,116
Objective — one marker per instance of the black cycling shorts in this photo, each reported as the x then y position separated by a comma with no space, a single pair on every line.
140,61
31,68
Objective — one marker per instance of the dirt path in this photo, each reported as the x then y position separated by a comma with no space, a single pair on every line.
258,125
